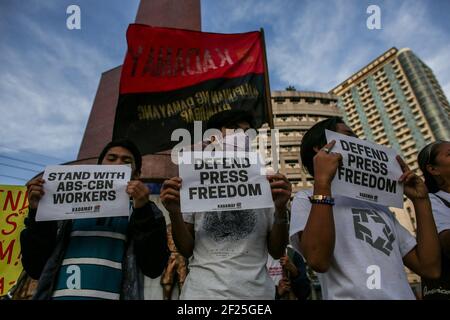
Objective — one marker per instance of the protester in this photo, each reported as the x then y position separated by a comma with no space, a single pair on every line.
434,161
97,258
228,249
289,275
358,248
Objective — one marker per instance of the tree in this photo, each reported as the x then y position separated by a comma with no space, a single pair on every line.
291,88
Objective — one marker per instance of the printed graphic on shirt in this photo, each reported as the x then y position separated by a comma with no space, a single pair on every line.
371,228
275,271
229,225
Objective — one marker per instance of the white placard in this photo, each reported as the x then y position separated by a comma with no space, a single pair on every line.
84,191
369,171
222,181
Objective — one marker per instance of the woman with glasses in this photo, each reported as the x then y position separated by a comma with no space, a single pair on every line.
434,161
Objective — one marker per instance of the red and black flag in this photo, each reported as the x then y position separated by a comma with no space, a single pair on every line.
172,77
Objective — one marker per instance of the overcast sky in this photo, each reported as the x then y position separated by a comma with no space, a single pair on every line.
49,74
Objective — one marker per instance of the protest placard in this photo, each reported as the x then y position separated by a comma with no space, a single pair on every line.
13,210
84,191
216,181
369,172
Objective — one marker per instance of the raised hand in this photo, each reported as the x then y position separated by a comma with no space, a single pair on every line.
281,190
326,164
35,190
414,186
139,192
170,194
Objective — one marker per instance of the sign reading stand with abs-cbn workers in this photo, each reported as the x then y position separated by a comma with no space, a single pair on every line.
369,171
223,181
84,191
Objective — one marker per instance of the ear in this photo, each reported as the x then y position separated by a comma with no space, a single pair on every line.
433,170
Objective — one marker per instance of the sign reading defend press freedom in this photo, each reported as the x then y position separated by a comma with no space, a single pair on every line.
84,191
369,171
216,181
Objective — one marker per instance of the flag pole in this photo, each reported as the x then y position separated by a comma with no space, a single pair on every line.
273,135
266,82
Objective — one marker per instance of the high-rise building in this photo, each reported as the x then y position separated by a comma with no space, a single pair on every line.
397,101
294,112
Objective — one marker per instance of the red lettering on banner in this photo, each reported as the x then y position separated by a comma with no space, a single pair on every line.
8,251
180,58
2,285
9,198
186,61
10,222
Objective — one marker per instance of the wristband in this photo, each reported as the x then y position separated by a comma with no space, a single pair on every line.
321,199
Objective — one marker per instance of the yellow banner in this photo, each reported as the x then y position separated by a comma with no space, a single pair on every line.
13,210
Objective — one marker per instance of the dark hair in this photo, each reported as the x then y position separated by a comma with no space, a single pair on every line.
315,137
428,156
228,118
127,144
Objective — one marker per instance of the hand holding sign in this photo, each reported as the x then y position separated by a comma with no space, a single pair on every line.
414,187
326,164
35,191
170,195
281,190
139,192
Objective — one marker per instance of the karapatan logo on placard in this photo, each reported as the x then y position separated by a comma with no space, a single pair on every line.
85,209
229,205
367,196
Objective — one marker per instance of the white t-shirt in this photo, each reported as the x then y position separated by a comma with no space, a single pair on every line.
441,212
230,255
369,247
